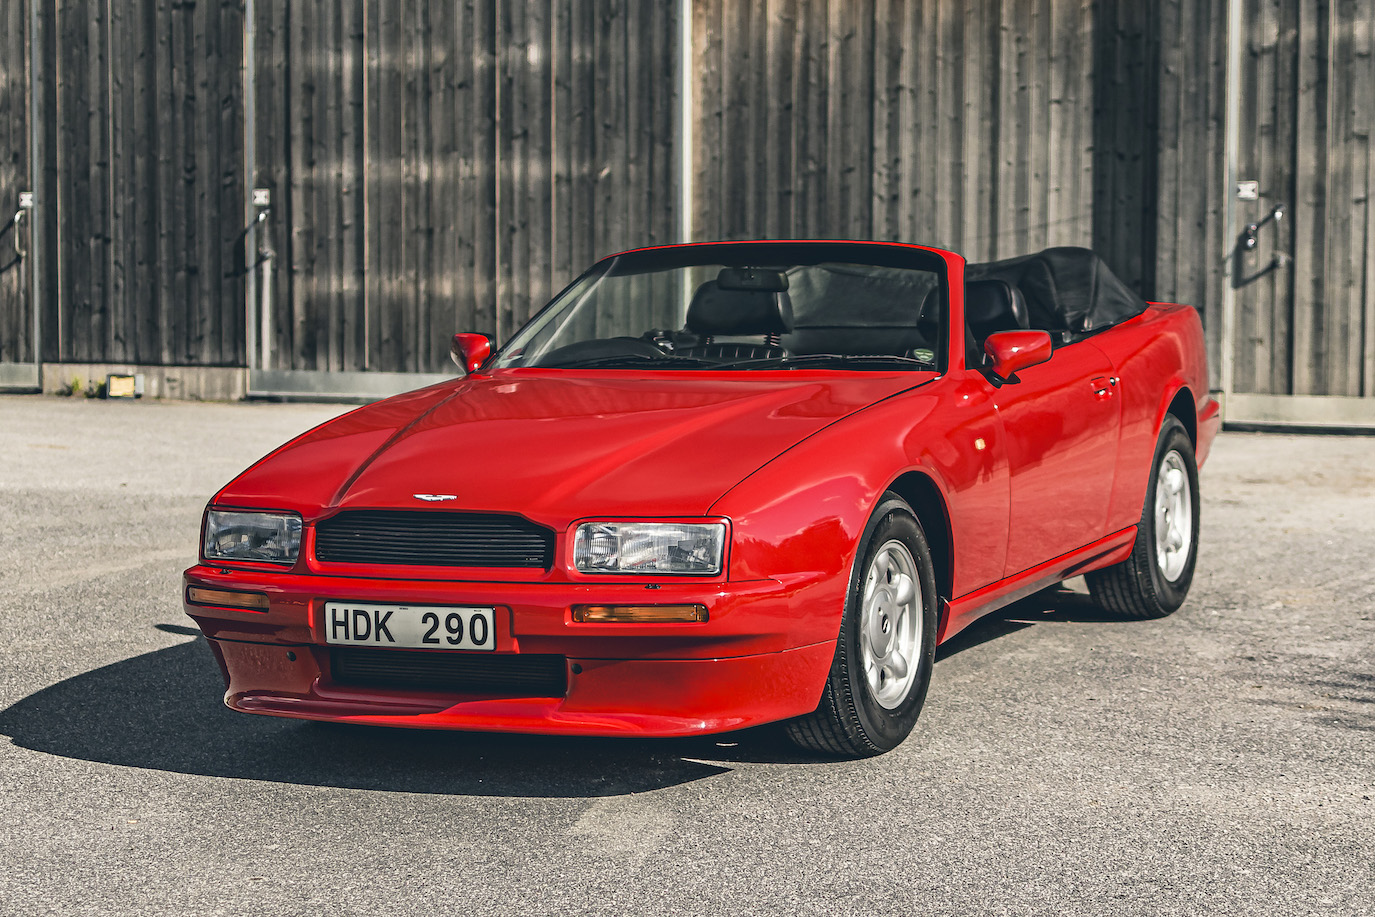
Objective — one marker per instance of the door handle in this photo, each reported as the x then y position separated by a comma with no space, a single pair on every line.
1103,385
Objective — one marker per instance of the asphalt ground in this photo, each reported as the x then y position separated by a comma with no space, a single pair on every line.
1220,761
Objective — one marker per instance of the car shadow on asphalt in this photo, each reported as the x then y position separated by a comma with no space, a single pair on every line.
162,711
1058,603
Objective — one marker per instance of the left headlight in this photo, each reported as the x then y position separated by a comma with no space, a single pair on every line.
273,538
691,548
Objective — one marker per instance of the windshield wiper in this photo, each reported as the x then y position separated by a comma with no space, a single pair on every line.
822,359
628,360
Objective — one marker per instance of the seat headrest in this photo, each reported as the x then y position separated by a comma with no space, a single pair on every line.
995,304
715,310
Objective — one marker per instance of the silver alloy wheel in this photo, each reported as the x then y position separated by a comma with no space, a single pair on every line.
890,624
1174,516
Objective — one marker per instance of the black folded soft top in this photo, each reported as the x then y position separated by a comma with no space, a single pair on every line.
1066,289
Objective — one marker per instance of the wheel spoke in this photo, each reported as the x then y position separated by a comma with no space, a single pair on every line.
897,665
869,586
874,630
906,589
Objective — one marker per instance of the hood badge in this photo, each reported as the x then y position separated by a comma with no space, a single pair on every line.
435,498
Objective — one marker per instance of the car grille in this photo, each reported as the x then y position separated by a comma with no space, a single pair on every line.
516,674
433,539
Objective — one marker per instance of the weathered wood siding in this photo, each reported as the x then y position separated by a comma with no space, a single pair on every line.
1189,204
438,167
148,188
16,341
1307,105
967,125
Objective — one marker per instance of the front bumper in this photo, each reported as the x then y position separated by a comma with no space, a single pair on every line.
751,662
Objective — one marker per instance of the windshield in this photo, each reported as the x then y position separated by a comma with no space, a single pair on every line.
636,311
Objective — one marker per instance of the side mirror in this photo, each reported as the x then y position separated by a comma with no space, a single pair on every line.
469,351
1010,351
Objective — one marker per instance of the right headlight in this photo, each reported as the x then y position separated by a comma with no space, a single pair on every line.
683,548
233,535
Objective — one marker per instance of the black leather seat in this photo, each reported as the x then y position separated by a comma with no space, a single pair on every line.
729,312
991,306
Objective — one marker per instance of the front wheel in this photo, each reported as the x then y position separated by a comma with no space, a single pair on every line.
1154,580
886,645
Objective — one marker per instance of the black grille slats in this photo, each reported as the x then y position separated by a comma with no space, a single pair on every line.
514,674
437,539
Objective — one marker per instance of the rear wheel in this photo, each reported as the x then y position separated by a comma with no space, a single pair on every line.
886,645
1155,579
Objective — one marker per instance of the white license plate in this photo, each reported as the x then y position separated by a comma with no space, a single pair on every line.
431,627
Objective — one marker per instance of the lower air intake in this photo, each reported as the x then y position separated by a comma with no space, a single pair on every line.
515,674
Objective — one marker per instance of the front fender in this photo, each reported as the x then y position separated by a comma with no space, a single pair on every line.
801,517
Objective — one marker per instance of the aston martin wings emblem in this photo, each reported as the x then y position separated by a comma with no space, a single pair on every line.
435,498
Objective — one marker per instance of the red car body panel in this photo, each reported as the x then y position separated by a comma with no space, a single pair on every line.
1027,481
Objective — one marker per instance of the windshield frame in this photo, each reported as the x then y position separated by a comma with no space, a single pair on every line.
741,254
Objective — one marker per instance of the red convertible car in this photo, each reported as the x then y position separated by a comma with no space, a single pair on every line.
718,485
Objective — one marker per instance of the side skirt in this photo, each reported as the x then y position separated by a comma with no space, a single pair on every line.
967,609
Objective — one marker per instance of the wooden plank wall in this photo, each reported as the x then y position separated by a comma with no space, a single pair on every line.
16,342
1307,104
1189,215
967,125
148,188
1126,123
440,167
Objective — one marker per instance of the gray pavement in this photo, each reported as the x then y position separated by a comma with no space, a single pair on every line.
1220,761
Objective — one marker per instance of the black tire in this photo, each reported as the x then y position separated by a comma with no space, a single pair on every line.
850,721
1137,588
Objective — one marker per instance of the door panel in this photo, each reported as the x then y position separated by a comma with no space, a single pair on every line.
1060,423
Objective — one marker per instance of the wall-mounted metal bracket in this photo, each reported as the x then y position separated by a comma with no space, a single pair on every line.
11,227
1247,242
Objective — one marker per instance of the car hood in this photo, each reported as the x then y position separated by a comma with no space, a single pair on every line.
557,445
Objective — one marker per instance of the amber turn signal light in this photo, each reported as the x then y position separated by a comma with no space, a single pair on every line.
639,614
224,598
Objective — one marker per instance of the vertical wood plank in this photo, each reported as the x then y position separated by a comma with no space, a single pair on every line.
908,225
122,214
708,111
203,146
15,300
482,101
782,120
1282,286
352,229
979,143
813,101
1342,287
1364,74
1311,135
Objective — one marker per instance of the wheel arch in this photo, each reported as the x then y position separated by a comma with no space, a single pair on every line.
1183,407
921,493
